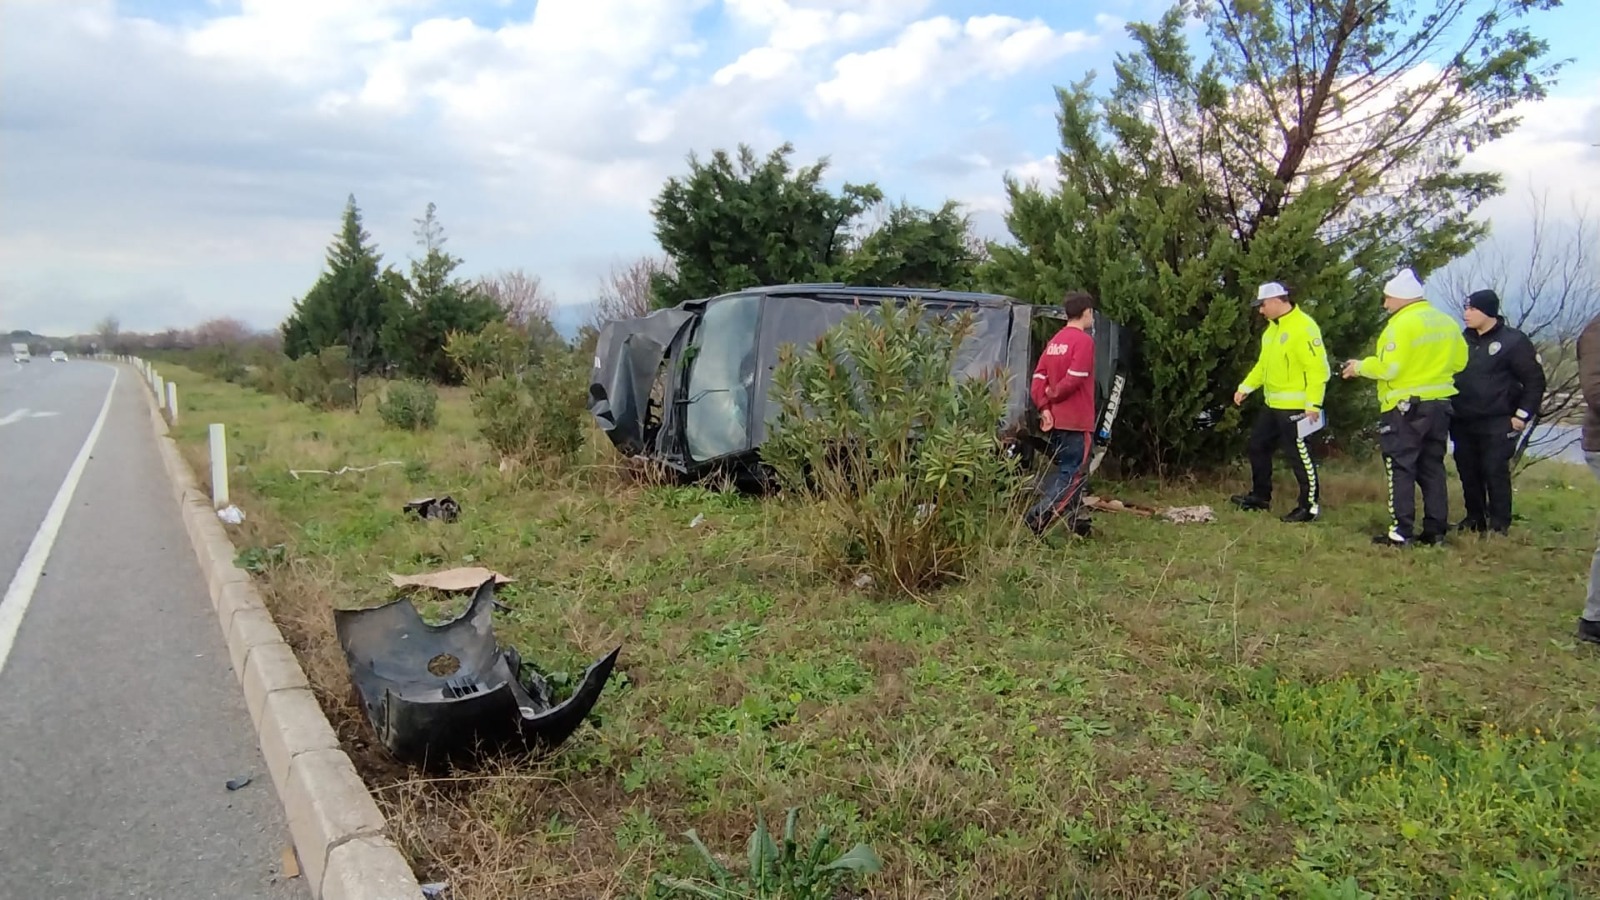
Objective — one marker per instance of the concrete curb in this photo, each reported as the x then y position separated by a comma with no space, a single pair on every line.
338,831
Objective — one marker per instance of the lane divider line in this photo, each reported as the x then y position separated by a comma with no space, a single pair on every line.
26,580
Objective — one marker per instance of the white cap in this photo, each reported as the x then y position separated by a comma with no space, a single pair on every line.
1268,291
1403,286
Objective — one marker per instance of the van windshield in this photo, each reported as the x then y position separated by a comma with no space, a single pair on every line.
720,378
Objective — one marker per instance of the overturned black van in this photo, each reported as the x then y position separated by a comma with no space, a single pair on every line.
688,387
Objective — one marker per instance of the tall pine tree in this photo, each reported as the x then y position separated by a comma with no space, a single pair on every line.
345,306
424,309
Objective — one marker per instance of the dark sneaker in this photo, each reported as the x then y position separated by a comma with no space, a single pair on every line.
1588,632
1250,502
1082,527
1428,539
1477,525
1301,514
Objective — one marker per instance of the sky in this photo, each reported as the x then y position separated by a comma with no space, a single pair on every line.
169,161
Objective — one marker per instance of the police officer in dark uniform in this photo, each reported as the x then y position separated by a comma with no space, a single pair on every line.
1497,396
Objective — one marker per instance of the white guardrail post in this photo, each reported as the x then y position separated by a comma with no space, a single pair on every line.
172,402
219,466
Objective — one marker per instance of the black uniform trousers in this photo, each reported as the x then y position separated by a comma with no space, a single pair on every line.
1274,430
1483,458
1413,441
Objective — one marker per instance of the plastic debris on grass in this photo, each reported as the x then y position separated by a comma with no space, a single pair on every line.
443,695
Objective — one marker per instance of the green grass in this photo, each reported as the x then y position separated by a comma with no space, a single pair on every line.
1243,708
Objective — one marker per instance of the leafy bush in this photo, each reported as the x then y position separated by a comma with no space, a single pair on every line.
905,457
224,363
324,380
775,871
527,393
411,405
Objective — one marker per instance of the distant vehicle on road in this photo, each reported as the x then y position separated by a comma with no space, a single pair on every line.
19,353
58,356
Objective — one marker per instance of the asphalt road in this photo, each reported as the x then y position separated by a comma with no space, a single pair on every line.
120,718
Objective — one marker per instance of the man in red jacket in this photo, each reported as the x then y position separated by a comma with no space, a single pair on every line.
1063,391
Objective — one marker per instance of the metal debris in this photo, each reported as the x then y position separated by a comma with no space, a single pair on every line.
445,509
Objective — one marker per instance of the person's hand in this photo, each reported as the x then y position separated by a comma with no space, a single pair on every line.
1350,366
1518,424
1313,416
1238,397
1047,422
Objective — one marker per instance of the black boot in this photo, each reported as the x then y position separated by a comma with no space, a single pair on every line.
1588,632
1250,502
1300,514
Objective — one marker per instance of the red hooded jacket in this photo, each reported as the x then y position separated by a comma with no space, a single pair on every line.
1063,381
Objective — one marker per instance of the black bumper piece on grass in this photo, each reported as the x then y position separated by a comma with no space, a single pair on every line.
448,694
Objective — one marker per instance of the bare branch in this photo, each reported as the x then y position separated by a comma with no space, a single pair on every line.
222,332
625,292
521,296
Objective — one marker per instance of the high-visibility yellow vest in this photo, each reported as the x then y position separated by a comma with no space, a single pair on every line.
1419,353
1293,364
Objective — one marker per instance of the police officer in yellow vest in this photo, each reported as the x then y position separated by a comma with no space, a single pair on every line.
1293,368
1419,353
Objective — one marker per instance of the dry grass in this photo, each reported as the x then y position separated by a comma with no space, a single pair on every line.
1160,710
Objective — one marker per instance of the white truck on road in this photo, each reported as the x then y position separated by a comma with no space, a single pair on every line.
19,353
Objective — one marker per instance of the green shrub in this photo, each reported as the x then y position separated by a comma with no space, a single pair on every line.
324,380
905,457
527,395
504,413
223,363
410,405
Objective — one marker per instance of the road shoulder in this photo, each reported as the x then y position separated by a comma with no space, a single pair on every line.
339,833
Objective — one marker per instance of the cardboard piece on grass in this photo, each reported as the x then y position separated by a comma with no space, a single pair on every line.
463,579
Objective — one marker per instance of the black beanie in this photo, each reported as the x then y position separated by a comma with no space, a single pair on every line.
1486,302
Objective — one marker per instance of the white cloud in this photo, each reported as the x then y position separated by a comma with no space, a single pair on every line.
1554,148
933,55
796,32
759,64
301,40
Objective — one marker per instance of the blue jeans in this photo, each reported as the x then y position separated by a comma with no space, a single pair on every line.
1061,492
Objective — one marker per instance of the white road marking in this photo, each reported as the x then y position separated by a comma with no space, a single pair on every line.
20,593
23,413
